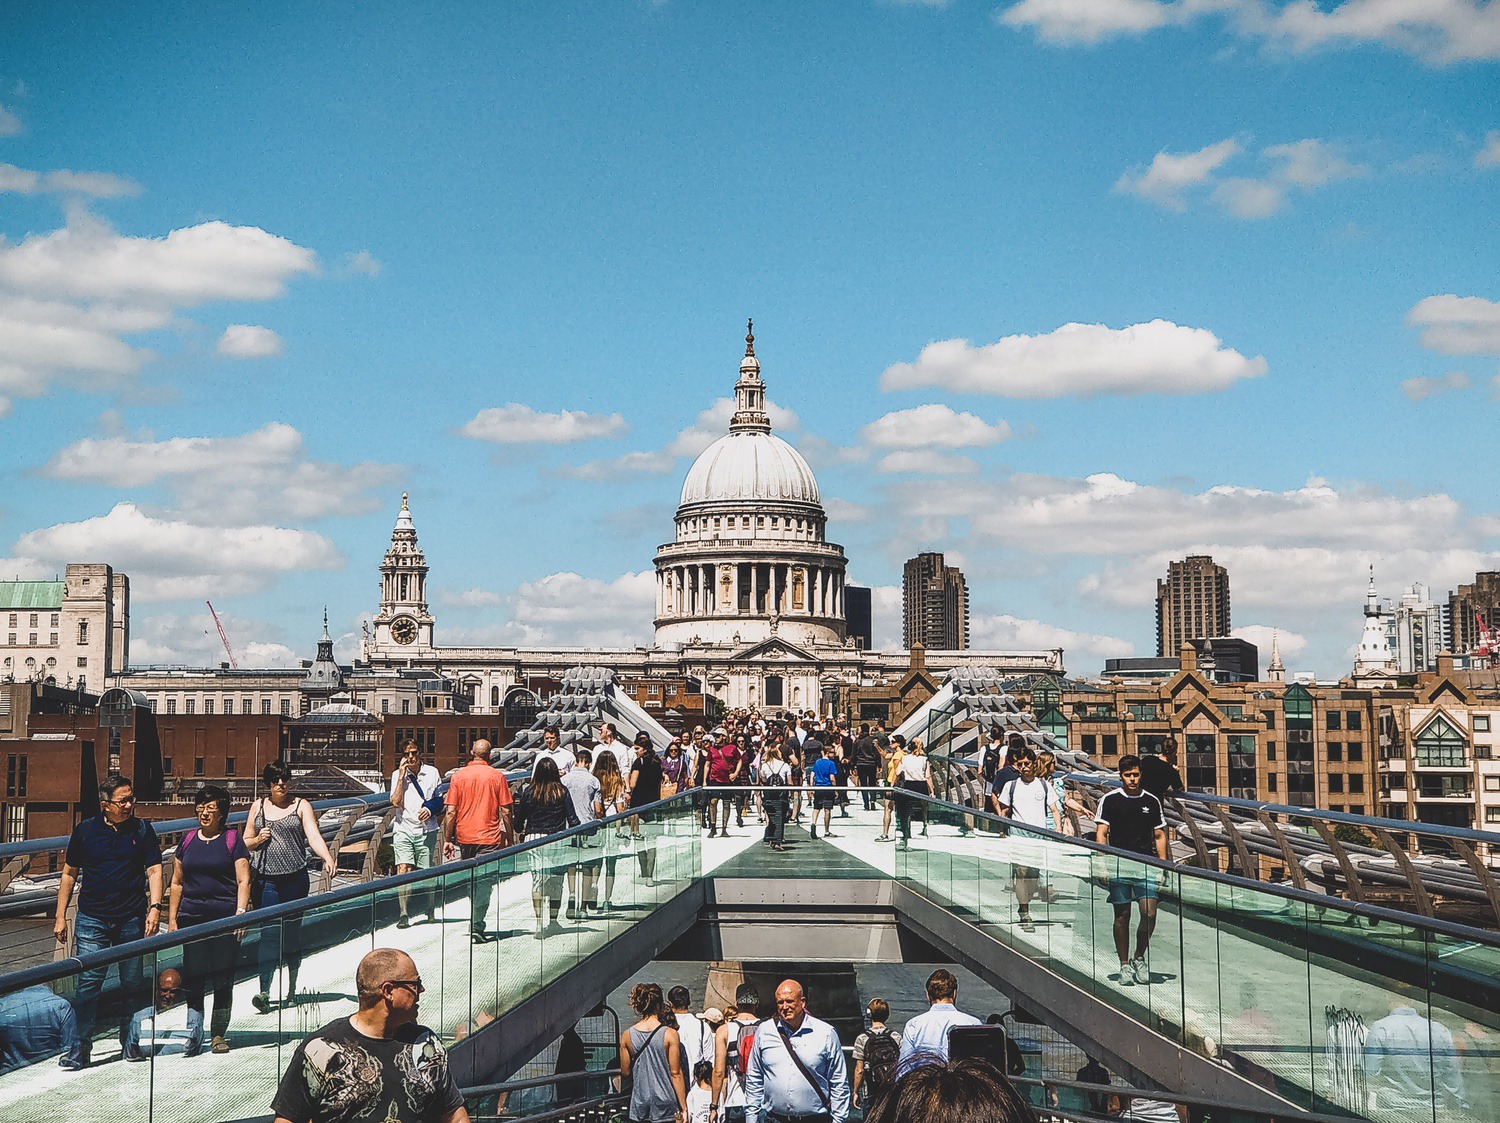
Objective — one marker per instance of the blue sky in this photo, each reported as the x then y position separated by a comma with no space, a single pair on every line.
265,268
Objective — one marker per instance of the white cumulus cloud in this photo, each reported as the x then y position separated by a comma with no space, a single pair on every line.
922,462
10,124
1436,31
1488,156
567,609
97,185
263,474
191,639
1290,644
1458,325
513,423
630,463
933,426
713,423
1172,179
247,341
1169,173
1082,360
1086,22
86,260
1423,387
72,300
1006,632
168,558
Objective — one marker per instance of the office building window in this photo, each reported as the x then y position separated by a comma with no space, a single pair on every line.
1334,719
1481,723
1111,744
197,766
1335,782
265,706
15,775
83,631
1356,783
171,705
83,660
15,823
245,706
1352,720
286,707
229,763
1335,750
208,705
52,638
1354,751
190,706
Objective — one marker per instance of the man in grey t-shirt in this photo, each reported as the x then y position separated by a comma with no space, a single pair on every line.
587,796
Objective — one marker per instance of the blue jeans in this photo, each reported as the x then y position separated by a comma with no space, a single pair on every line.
190,1045
92,934
274,891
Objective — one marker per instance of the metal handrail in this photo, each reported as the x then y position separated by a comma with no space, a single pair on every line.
32,847
63,967
1467,834
60,968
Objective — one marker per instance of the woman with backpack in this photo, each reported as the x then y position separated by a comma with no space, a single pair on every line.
876,1054
544,809
775,795
210,880
651,1055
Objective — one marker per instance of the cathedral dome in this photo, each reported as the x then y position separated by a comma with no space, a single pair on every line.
750,466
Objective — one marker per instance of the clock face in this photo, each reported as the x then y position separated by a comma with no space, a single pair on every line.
404,629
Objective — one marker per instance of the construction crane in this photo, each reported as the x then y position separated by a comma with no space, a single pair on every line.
223,635
1488,647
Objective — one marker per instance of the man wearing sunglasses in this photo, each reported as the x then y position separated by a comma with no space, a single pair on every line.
119,859
377,1063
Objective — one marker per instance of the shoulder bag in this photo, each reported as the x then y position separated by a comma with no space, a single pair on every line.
803,1069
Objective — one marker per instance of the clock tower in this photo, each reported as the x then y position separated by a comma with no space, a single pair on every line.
403,626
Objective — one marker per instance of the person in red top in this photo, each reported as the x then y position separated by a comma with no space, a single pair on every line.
479,821
726,765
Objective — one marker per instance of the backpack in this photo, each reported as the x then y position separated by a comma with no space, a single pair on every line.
740,1047
230,837
882,1052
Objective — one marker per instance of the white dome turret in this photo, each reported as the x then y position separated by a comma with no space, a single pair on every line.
749,558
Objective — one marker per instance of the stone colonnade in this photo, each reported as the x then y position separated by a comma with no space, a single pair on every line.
749,589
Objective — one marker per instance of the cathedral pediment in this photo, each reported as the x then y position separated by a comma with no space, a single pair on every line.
774,648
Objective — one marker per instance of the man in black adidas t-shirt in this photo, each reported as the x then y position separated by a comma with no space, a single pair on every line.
1130,818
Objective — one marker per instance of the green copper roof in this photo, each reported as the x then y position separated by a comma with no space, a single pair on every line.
30,594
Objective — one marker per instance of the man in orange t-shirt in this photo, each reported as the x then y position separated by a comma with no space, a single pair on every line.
479,819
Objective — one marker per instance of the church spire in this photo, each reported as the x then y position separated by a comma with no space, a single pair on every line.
750,392
1277,671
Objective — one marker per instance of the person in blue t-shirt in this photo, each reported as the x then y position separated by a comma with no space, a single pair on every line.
825,772
119,858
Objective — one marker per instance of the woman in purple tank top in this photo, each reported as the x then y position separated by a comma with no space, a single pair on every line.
210,880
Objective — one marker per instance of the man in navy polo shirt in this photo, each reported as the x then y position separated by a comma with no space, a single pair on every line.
120,860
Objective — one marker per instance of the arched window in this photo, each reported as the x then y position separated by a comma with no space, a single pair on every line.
494,697
83,631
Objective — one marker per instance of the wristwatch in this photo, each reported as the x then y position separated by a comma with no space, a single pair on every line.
157,905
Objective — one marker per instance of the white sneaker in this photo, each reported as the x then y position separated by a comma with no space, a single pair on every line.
1127,974
1142,972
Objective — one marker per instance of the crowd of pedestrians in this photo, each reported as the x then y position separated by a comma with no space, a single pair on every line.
779,771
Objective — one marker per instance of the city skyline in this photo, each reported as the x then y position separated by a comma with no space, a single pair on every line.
1062,294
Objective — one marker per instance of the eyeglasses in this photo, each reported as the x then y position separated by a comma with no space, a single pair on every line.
413,985
279,783
126,802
